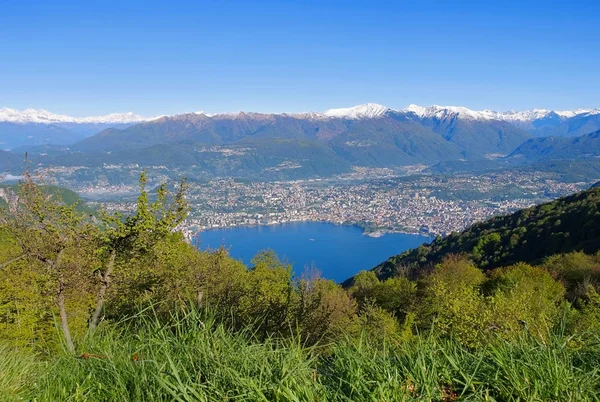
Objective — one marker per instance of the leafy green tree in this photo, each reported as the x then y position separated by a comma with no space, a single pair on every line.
523,297
324,310
25,308
585,322
378,324
210,279
223,282
397,295
486,248
579,272
123,239
363,288
456,271
452,302
53,237
270,296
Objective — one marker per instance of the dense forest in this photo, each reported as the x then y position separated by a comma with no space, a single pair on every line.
119,307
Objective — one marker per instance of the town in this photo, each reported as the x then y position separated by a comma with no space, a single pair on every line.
378,200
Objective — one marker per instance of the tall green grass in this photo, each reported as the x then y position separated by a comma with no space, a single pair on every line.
18,370
194,358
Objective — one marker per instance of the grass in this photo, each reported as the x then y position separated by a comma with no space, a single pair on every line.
197,359
17,371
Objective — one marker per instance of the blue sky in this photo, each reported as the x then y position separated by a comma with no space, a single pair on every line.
95,57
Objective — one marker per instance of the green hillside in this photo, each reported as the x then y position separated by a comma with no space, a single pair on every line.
564,225
391,142
60,194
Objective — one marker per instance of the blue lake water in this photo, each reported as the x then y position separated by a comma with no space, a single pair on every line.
338,252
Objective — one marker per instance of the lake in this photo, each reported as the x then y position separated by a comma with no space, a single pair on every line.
337,251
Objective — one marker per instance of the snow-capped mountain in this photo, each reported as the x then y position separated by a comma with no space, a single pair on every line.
320,142
39,127
42,116
366,111
373,110
525,116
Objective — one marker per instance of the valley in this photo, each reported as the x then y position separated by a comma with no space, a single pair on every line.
407,200
425,170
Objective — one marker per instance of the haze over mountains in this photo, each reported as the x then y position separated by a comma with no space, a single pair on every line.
582,147
306,143
39,127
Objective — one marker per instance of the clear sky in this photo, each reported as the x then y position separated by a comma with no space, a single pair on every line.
94,57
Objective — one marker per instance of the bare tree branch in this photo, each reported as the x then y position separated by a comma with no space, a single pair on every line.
3,265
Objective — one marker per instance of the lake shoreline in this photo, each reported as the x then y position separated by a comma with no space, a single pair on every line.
337,251
370,233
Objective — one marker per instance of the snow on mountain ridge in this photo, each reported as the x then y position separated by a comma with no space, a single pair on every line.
365,111
572,113
439,112
525,116
42,116
368,110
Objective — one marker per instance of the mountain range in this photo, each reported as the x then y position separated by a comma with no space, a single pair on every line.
39,127
304,144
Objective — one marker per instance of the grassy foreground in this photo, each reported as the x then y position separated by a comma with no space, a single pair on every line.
197,359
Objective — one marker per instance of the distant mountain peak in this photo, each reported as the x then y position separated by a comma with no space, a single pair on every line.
42,116
513,116
437,111
573,113
368,110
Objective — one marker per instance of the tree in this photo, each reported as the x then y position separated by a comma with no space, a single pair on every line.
579,272
379,325
325,311
363,288
53,235
585,322
451,300
522,296
124,238
25,311
268,301
396,295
